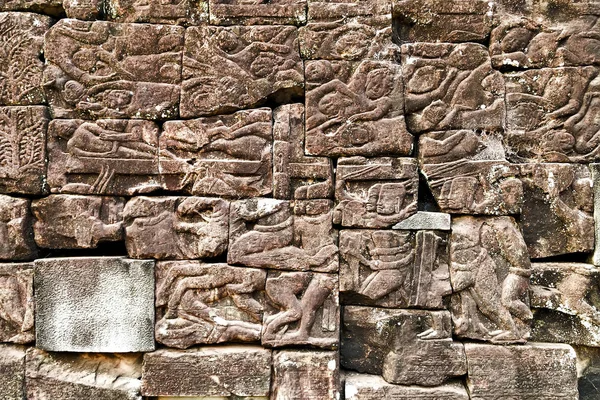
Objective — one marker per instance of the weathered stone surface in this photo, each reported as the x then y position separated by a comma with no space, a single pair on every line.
96,304
200,303
12,372
489,271
82,376
186,12
21,40
557,213
235,12
443,21
397,269
375,192
355,109
226,155
533,371
118,157
226,69
373,387
305,375
84,9
110,70
176,227
23,149
588,372
295,175
208,371
50,7
16,229
451,86
552,113
77,222
16,303
406,346
566,303
595,173
279,234
302,309
425,220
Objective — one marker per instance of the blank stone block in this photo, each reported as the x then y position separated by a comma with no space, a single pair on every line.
12,372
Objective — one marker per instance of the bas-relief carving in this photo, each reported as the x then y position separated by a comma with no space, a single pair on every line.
228,68
396,269
355,109
208,303
271,12
179,12
16,303
227,155
110,70
16,229
176,227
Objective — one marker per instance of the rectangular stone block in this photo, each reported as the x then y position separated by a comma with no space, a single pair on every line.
305,375
208,371
355,109
295,175
398,269
200,303
12,372
117,157
451,86
229,68
23,150
176,227
240,12
95,304
82,376
16,308
49,7
186,12
65,221
88,10
302,309
16,229
489,272
533,371
226,155
110,70
375,192
425,220
279,234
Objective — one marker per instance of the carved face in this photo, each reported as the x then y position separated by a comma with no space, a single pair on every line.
379,84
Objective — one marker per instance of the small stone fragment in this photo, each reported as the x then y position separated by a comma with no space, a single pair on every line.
273,12
425,220
16,305
16,229
186,12
12,372
588,372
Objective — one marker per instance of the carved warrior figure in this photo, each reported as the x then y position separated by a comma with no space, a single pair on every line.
187,227
208,303
16,303
489,271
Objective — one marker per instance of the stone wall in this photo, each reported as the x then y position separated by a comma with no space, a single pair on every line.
299,199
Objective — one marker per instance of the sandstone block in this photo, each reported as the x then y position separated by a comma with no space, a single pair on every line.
186,12
16,308
16,229
49,7
234,12
425,220
12,372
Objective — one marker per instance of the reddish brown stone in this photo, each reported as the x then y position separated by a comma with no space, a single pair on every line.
241,12
228,155
302,309
16,303
201,303
109,70
49,7
84,9
12,366
186,12
269,233
225,69
355,109
375,192
16,229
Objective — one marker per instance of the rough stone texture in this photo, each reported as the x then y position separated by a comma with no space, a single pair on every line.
23,149
176,227
228,155
237,67
565,300
50,7
595,173
186,12
406,346
375,192
12,372
85,10
588,372
77,222
200,303
118,157
489,271
425,220
96,304
16,229
533,371
16,303
208,371
398,269
295,175
82,376
305,375
355,109
110,70
279,234
302,309
242,12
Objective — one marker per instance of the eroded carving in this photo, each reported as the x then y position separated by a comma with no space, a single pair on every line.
16,303
242,12
16,229
181,12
